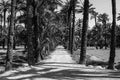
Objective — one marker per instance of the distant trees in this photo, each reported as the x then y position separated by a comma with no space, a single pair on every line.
104,18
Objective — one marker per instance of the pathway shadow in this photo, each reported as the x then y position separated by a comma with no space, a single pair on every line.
51,73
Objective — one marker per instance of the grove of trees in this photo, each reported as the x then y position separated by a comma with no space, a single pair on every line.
36,25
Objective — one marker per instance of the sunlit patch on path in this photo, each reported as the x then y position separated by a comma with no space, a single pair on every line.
60,55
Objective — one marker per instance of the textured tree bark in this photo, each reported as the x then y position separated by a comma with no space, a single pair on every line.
69,24
73,27
37,32
9,56
95,21
113,37
14,39
30,33
4,27
84,33
1,19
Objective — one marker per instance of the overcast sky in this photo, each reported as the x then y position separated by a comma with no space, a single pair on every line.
103,6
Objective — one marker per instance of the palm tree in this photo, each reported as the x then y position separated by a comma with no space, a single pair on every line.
73,27
10,37
94,15
1,23
69,23
113,37
81,10
30,48
104,18
84,33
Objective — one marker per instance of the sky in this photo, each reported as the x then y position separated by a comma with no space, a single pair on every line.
102,6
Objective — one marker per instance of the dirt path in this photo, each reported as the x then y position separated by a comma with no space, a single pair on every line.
60,55
59,66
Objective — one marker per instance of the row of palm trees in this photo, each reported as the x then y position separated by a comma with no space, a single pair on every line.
45,27
113,35
102,18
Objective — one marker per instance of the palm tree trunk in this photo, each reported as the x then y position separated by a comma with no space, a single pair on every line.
10,37
4,18
1,22
72,30
30,33
69,24
1,19
113,37
3,42
105,36
84,33
95,21
14,39
36,35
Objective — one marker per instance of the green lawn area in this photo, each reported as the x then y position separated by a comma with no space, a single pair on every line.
101,53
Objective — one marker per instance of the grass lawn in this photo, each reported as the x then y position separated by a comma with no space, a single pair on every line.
101,53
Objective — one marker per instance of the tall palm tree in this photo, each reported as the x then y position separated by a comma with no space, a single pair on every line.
84,33
30,48
73,27
113,37
10,37
69,13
